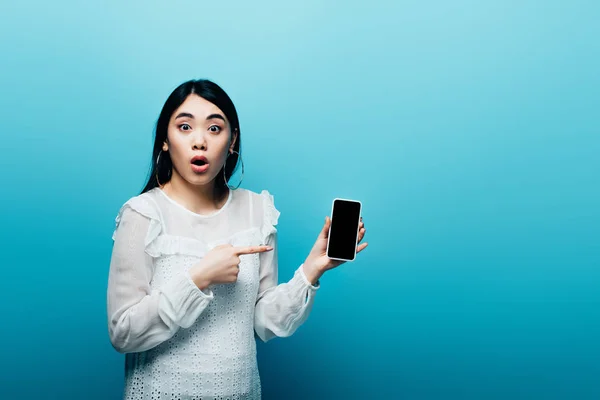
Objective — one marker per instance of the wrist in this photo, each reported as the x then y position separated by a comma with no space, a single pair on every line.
312,273
200,279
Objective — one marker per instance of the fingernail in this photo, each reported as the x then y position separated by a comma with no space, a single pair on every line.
269,248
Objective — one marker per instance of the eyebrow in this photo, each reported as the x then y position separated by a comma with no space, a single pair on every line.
217,116
211,116
184,115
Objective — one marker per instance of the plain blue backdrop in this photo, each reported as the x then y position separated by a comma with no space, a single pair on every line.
468,129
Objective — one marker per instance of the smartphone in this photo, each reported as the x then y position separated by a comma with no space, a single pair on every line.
343,231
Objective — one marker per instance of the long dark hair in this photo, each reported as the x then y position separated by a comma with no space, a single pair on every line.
209,91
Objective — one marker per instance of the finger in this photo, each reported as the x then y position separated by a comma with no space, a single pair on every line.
252,249
361,234
361,247
325,231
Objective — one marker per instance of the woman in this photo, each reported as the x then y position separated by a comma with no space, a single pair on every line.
193,274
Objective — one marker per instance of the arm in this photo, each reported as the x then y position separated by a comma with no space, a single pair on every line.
139,317
281,309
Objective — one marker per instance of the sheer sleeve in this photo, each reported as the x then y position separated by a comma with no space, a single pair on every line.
280,309
139,317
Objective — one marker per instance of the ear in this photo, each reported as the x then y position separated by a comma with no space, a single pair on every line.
235,136
165,146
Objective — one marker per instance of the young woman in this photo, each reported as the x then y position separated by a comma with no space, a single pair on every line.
193,274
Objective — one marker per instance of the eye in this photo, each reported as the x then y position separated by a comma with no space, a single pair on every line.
214,128
187,127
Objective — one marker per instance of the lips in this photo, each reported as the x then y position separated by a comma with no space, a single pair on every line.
199,164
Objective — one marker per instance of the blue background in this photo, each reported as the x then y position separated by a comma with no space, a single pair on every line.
468,129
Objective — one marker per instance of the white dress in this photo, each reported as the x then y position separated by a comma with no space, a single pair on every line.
181,342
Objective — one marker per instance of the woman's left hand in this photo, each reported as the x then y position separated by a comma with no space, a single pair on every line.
317,262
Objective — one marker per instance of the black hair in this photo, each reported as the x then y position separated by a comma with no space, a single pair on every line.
209,91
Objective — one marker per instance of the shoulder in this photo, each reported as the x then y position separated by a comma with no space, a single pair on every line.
142,206
264,205
263,196
263,199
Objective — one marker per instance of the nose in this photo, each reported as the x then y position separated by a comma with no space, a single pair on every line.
199,141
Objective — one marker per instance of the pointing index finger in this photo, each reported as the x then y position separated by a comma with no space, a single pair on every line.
252,249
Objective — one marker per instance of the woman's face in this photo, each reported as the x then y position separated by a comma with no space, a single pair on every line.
198,128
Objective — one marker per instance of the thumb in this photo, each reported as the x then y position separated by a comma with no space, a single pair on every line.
325,231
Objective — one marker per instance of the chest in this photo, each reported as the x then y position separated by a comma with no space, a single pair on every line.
177,254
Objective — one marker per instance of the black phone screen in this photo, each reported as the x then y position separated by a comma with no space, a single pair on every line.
344,229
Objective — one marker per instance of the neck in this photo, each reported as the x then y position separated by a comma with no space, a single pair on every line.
200,199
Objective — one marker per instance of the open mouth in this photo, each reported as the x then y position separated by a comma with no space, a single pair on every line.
199,164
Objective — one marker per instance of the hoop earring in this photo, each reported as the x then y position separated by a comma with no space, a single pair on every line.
225,178
157,161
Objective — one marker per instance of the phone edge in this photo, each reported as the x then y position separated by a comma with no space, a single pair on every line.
357,229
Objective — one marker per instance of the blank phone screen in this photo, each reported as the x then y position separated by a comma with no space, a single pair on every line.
344,228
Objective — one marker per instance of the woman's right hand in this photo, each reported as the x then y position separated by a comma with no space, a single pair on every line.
221,264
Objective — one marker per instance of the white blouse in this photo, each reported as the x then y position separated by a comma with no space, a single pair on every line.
182,342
